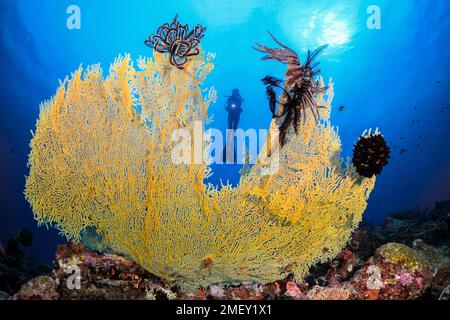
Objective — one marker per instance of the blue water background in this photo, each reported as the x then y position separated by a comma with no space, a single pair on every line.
396,79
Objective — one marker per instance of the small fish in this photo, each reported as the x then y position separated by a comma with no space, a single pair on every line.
402,151
341,108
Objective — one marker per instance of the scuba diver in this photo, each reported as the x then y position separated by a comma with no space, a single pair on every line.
234,109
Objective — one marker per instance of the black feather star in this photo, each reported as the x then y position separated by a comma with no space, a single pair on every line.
370,154
271,83
299,90
272,97
293,108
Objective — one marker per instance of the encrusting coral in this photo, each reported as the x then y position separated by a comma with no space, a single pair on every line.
101,158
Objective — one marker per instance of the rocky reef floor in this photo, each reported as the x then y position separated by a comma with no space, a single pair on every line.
407,257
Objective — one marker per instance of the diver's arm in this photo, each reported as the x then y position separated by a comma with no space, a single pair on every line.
240,108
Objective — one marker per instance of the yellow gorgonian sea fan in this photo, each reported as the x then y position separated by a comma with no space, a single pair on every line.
101,157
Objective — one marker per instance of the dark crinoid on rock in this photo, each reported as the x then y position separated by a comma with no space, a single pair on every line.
370,154
177,41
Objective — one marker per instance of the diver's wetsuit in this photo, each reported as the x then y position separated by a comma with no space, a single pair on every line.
234,111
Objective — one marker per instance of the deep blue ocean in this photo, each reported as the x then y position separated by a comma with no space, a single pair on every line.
396,78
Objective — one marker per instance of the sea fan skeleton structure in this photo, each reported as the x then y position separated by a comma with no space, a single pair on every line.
96,162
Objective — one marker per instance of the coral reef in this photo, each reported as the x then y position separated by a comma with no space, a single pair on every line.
394,272
102,158
432,226
369,267
102,276
40,288
330,293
